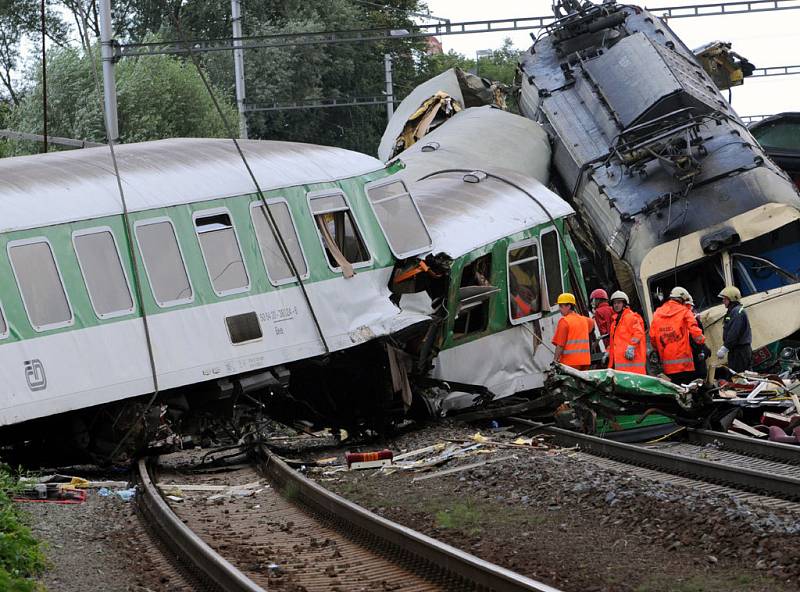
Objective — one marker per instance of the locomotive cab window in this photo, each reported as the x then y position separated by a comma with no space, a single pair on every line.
221,252
474,297
338,232
102,272
703,279
163,262
399,219
551,255
278,269
524,289
40,284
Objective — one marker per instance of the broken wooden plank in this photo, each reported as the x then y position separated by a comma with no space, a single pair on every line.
743,427
462,468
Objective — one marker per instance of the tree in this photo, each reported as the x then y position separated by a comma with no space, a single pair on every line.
158,97
21,20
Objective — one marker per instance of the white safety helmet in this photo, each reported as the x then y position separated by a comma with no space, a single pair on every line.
620,295
732,293
680,294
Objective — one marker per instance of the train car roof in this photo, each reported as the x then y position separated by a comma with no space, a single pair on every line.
462,216
59,187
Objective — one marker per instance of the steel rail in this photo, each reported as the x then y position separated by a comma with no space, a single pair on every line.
453,561
189,547
776,451
781,486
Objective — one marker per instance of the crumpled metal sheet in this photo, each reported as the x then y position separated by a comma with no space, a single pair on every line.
461,88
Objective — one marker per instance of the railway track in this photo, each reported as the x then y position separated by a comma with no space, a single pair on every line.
296,535
764,468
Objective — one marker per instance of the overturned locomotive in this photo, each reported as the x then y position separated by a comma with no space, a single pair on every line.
669,185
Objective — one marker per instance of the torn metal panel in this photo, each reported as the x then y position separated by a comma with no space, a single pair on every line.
485,139
443,96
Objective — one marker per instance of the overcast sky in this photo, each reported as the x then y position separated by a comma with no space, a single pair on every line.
766,39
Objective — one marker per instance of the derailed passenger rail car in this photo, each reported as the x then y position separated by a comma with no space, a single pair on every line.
669,185
227,314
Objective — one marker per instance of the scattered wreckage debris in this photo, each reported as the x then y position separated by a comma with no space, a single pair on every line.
633,407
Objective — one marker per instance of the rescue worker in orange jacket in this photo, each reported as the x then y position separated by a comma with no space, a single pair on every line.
628,350
672,327
572,335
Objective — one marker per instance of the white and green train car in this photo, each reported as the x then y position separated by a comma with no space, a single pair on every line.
190,293
479,181
220,299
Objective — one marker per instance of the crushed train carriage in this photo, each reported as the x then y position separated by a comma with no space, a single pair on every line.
197,291
669,185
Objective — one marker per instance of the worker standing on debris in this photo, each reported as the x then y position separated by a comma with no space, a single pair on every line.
572,335
627,351
602,313
672,327
736,334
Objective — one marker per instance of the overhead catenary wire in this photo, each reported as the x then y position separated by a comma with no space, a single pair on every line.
265,206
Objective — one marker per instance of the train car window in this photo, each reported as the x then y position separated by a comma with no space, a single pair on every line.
524,292
399,219
703,279
40,285
474,297
767,261
102,272
552,266
221,252
338,232
163,263
278,269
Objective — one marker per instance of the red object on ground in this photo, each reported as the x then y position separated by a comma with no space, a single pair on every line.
777,434
776,419
77,496
352,457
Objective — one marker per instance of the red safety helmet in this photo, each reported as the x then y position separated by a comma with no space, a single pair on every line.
599,294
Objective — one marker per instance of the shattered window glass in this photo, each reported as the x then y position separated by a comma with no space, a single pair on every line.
523,281
552,266
40,284
278,269
399,218
473,306
703,279
768,261
102,273
337,229
164,263
221,253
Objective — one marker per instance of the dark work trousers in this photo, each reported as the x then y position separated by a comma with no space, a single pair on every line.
740,358
682,377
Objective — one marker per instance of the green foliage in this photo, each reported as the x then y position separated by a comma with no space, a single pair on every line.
20,555
157,97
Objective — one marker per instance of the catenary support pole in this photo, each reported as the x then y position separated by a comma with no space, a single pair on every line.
44,79
109,84
238,65
387,63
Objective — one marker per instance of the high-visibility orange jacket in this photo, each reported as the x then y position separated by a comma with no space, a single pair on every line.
572,333
627,329
672,327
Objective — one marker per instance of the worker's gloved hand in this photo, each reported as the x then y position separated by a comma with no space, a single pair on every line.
722,352
698,339
630,351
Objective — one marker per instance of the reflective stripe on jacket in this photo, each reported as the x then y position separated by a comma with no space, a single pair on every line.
572,333
627,329
670,331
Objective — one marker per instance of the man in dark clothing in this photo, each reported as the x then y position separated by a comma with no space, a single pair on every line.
736,335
